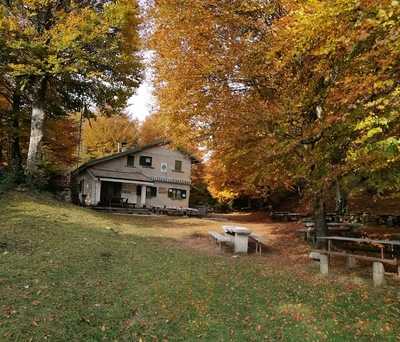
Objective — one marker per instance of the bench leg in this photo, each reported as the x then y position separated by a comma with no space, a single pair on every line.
378,274
324,264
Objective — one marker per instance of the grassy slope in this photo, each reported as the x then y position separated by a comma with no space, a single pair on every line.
65,277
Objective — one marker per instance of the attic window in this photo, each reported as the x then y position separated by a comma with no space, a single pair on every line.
178,165
130,161
145,161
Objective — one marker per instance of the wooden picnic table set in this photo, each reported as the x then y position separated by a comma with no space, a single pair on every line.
239,238
379,252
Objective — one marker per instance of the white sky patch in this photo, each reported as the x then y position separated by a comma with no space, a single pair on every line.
143,102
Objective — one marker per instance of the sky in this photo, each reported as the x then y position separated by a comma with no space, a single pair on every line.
143,102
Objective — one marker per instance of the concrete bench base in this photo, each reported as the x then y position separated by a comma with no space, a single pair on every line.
378,269
378,274
324,264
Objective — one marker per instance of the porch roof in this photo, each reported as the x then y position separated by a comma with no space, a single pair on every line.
130,177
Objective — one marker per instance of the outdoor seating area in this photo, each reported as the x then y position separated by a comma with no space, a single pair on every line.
387,219
286,216
239,238
379,252
334,228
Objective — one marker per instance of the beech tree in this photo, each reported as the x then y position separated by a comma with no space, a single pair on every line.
207,57
337,94
284,93
152,129
69,55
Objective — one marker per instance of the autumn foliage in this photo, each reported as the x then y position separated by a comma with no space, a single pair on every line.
283,93
105,135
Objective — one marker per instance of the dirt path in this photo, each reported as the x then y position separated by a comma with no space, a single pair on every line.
281,238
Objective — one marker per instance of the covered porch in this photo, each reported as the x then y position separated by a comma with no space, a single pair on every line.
121,190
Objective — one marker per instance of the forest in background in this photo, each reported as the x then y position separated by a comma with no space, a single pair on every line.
297,95
278,97
59,60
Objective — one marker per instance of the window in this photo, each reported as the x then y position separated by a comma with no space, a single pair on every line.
145,161
178,165
176,194
151,191
130,161
164,167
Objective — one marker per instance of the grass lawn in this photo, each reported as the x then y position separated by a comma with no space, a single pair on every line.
65,275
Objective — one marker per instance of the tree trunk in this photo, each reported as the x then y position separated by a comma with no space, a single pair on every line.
36,137
341,199
321,228
16,157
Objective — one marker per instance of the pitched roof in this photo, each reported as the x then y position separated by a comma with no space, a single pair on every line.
136,149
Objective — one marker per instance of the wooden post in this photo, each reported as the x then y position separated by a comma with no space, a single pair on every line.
143,196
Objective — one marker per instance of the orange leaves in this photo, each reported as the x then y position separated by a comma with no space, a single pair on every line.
102,135
275,95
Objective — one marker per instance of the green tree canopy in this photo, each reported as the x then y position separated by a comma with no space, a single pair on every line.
70,54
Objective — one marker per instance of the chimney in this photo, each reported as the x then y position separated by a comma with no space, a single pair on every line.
122,146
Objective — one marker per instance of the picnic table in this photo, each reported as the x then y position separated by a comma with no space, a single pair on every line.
240,237
383,252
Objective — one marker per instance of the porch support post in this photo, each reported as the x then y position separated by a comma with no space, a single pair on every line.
143,196
97,185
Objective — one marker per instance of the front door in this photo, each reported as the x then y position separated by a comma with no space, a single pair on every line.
110,191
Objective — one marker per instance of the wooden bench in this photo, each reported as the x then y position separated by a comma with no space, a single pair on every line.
219,238
258,241
378,247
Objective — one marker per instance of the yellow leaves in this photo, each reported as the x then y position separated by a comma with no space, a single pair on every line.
101,137
383,84
372,132
24,70
84,25
37,4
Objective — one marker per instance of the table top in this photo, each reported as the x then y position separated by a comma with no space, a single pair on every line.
364,240
236,230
